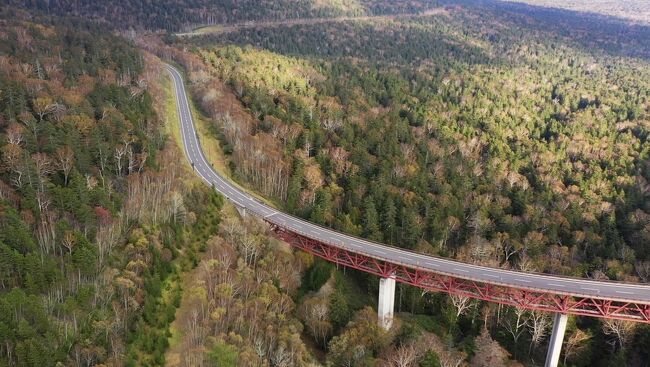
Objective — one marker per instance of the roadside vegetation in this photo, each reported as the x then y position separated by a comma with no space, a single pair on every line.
494,133
487,139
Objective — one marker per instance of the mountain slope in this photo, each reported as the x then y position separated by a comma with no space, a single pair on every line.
177,15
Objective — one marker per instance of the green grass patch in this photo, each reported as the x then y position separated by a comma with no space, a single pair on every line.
175,336
208,29
172,122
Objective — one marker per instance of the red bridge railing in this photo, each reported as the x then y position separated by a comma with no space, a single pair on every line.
522,298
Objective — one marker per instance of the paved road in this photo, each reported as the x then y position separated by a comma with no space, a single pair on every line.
639,293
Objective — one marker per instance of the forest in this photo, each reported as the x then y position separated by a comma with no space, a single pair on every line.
183,15
475,134
96,225
375,136
495,133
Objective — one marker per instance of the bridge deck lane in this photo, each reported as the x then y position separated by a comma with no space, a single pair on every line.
555,284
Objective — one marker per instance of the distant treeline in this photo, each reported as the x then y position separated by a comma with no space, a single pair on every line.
178,15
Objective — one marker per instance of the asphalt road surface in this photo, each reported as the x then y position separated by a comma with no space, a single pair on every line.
609,290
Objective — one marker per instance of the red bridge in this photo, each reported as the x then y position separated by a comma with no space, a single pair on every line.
528,298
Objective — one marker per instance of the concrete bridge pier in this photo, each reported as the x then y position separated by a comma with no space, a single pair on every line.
386,302
557,337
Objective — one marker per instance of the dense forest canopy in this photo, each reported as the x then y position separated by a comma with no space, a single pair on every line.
177,15
480,132
499,134
92,210
496,133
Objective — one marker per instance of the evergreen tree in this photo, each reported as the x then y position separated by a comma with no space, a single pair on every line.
388,220
371,220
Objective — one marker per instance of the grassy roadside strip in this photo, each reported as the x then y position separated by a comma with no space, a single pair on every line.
213,153
175,248
207,137
210,145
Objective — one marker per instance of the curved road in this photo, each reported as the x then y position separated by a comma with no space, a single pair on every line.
614,291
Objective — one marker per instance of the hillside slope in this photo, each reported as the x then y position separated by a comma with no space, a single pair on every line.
180,15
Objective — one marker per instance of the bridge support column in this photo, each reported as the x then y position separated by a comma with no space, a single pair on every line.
386,302
557,337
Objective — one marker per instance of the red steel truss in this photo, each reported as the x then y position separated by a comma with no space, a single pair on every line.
429,280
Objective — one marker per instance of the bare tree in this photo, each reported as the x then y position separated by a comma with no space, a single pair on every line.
461,303
451,359
316,314
525,263
260,347
515,325
44,167
131,160
404,356
509,250
65,161
249,246
120,152
14,134
102,156
281,357
44,106
331,124
43,201
452,224
620,330
13,158
46,232
574,344
448,356
178,209
196,330
538,325
488,352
